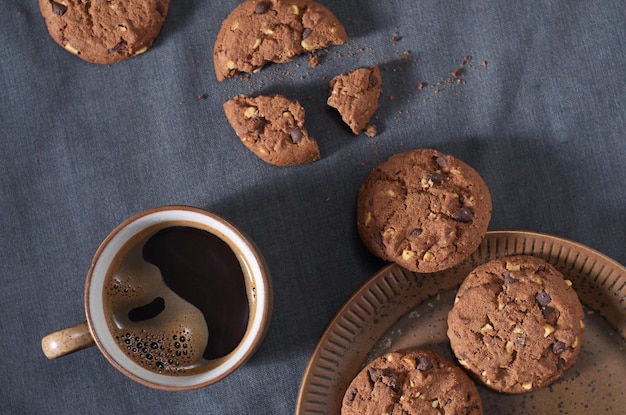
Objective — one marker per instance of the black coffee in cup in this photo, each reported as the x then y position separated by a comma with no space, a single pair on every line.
178,299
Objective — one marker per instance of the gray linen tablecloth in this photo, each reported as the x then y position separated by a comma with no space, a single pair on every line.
538,110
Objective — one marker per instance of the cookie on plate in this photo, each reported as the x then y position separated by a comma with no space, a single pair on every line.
104,31
258,32
411,382
355,95
516,324
425,210
272,127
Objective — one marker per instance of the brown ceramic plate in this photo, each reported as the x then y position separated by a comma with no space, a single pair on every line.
397,308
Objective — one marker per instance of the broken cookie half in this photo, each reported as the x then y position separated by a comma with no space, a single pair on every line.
258,32
355,95
272,127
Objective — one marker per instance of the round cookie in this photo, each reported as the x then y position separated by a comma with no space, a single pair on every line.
261,31
104,31
516,324
272,127
411,382
425,210
355,96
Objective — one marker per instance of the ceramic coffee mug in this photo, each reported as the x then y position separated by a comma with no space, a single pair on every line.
176,298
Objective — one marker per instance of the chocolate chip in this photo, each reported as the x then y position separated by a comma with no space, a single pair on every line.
508,279
520,341
463,215
378,238
296,135
424,364
386,377
306,33
441,162
373,81
391,380
436,178
58,8
262,7
160,9
541,268
546,311
351,395
259,126
559,347
416,232
119,47
375,374
543,298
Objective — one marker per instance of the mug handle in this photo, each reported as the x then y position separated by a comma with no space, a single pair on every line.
66,341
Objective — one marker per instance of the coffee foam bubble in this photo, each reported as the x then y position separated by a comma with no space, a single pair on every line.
173,341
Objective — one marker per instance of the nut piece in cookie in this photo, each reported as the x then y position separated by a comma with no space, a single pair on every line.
411,382
424,210
516,324
272,127
104,31
355,95
258,32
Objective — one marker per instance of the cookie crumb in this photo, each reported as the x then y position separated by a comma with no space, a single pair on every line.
371,130
203,97
466,60
314,61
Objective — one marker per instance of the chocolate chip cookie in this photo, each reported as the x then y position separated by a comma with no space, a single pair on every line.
516,324
411,382
258,32
355,95
425,210
272,127
104,31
